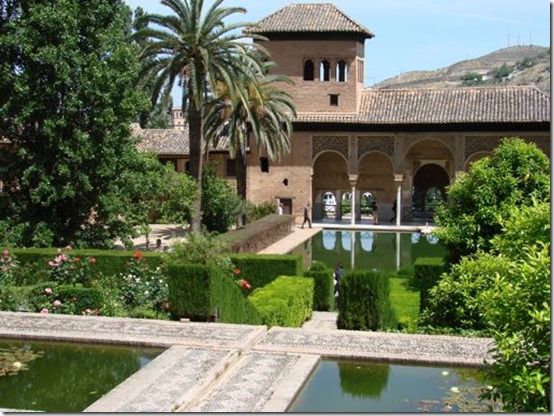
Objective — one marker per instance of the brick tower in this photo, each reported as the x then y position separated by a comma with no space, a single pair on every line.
322,50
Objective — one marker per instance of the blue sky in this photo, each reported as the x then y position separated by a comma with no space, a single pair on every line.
421,34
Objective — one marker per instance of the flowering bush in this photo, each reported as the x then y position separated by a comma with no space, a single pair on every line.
68,269
141,286
8,267
242,283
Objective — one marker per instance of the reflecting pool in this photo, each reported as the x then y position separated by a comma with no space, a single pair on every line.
349,386
384,251
63,377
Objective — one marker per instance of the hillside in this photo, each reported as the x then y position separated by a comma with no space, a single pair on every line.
516,65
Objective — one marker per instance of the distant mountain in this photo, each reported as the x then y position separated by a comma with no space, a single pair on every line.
516,65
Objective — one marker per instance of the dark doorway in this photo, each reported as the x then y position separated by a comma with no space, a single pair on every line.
287,205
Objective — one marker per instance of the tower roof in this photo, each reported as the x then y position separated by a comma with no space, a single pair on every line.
309,18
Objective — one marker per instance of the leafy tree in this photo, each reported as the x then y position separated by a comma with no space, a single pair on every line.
478,202
155,193
67,101
196,48
259,110
220,204
472,78
507,291
502,72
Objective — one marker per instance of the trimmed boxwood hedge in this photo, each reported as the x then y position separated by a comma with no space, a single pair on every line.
364,302
324,299
262,269
428,271
108,262
287,301
203,293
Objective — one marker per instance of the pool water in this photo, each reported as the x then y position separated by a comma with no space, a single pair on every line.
63,377
383,251
349,386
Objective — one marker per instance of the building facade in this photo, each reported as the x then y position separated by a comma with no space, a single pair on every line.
355,148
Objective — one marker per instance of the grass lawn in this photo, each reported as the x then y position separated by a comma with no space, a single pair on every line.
405,302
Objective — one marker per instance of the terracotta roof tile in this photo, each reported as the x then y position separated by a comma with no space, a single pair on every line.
513,104
311,17
168,142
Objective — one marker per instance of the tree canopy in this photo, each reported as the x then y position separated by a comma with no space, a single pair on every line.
478,201
68,74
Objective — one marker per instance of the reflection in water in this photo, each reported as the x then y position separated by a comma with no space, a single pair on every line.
366,240
362,380
370,250
350,386
329,239
346,239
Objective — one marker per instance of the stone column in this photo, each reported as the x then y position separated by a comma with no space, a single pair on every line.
353,179
398,179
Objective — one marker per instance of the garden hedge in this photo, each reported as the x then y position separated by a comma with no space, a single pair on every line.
262,269
428,271
259,234
364,302
324,299
108,262
287,301
203,293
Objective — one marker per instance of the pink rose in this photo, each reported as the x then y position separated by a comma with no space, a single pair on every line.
5,253
44,311
57,303
48,291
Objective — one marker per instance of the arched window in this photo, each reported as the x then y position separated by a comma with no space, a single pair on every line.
324,71
342,71
308,70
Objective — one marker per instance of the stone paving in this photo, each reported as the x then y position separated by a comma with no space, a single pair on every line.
233,368
291,241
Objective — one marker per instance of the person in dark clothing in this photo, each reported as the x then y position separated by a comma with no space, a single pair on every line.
339,273
393,211
307,216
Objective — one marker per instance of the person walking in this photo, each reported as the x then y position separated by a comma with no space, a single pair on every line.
280,209
307,216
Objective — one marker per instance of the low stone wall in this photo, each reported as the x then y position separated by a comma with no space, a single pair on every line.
260,234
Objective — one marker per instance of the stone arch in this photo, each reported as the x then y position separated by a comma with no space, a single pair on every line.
330,175
324,70
341,71
376,176
429,139
475,157
429,186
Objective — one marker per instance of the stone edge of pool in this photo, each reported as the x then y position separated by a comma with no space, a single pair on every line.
221,350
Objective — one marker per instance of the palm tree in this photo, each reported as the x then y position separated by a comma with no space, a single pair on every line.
259,109
194,48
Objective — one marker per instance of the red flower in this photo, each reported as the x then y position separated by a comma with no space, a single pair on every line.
138,255
244,284
236,272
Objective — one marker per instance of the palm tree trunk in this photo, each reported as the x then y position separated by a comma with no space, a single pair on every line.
240,168
195,147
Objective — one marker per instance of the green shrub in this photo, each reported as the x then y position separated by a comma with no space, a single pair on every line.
364,301
287,301
107,262
427,273
324,299
259,234
205,292
255,212
73,300
262,269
